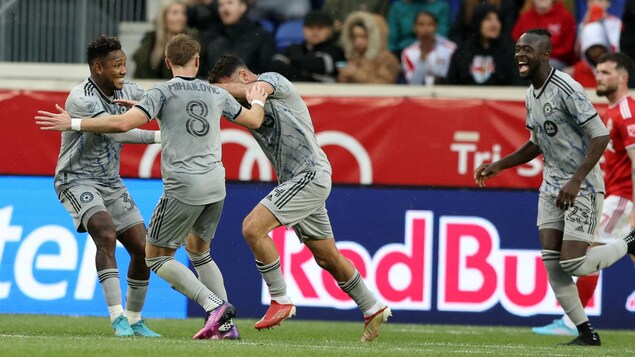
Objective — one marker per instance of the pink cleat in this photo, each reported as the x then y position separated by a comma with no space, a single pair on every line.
214,320
231,334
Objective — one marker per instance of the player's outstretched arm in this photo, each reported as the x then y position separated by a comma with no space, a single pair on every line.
253,118
524,154
107,124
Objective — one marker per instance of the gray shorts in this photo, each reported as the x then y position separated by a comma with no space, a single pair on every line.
578,222
173,220
300,203
83,201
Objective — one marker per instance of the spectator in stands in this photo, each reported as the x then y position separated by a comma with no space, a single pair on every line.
402,14
279,10
487,58
597,11
462,25
428,59
368,58
553,16
238,36
150,56
627,36
203,15
314,59
594,44
340,9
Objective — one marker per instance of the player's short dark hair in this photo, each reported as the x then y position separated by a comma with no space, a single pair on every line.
101,47
428,13
622,61
225,67
181,48
544,33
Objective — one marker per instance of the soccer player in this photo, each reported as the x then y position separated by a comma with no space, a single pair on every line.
188,212
568,132
304,175
617,212
88,184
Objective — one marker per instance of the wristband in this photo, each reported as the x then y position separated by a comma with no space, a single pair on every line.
76,124
257,102
157,136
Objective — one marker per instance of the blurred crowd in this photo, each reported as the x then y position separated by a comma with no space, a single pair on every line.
416,42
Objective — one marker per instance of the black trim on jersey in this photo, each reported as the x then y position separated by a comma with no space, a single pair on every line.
272,86
563,81
287,196
101,94
98,114
589,119
144,111
553,70
186,78
88,88
528,127
563,86
240,110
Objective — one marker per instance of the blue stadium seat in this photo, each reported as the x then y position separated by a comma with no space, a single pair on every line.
288,33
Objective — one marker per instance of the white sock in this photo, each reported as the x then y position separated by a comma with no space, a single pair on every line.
374,309
284,299
115,311
133,316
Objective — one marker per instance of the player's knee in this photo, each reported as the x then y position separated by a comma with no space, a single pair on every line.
327,261
250,229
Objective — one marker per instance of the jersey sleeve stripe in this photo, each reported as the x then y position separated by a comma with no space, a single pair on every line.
144,111
563,81
588,119
560,84
98,114
271,84
240,110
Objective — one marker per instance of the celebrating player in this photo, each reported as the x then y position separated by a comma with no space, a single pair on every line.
567,130
88,184
193,175
304,173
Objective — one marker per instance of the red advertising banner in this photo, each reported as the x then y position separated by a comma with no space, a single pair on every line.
385,141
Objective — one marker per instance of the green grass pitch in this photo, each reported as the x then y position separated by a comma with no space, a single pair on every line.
42,335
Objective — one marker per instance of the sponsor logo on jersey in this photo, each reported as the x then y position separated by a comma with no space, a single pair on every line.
551,128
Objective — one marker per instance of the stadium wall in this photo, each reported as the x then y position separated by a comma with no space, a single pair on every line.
404,209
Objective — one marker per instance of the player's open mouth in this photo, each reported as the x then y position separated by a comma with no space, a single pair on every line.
523,67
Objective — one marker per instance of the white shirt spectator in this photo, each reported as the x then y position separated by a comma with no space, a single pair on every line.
423,71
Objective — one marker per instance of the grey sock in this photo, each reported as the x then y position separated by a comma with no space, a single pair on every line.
596,258
563,287
183,280
357,290
136,295
208,273
272,274
109,280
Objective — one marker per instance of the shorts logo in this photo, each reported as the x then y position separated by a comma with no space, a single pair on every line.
86,197
547,109
551,128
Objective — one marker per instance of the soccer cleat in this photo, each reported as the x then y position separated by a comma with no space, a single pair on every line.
584,340
275,315
215,319
231,334
556,328
630,242
122,327
140,329
373,322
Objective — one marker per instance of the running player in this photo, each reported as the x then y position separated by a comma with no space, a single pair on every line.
188,212
567,130
304,173
88,184
617,214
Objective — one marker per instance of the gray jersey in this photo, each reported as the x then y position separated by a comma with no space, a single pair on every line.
189,112
287,136
560,116
89,157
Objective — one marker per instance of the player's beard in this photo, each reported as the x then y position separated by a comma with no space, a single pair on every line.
606,92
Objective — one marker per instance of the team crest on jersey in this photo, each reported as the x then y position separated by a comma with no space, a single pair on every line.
86,197
631,130
547,109
268,121
550,128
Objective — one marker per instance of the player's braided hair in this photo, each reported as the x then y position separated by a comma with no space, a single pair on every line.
101,47
225,67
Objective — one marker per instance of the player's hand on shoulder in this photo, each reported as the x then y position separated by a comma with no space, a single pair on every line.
256,92
126,102
54,121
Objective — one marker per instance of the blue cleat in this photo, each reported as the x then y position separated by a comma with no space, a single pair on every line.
556,328
122,327
140,329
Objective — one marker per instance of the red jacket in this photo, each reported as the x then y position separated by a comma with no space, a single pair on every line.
559,22
584,74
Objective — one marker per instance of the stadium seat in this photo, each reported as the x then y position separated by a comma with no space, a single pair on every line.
288,33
